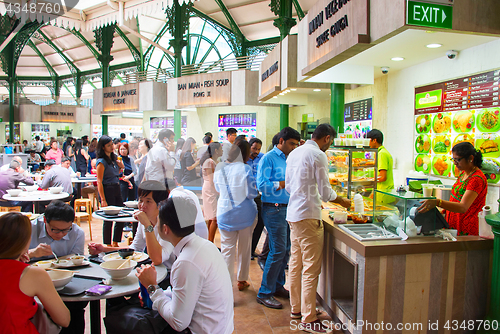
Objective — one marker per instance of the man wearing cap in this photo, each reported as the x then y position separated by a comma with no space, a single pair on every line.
10,179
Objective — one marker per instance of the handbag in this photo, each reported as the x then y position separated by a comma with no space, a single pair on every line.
42,321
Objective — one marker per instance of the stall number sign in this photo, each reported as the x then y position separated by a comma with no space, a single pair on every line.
429,15
204,89
123,98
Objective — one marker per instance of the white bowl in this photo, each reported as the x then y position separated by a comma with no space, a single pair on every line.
44,264
77,260
117,274
111,210
60,278
14,192
132,204
31,188
55,190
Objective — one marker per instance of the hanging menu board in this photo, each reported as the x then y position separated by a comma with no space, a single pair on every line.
245,124
454,111
358,118
167,122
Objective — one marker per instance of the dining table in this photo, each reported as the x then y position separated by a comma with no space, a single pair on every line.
36,197
93,274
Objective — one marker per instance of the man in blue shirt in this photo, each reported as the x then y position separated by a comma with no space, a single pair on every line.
271,183
255,156
57,233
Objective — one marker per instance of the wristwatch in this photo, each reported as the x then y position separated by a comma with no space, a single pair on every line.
149,229
152,289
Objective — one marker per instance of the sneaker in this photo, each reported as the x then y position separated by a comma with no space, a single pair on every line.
314,327
299,315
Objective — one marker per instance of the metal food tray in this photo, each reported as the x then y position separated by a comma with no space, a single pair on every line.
367,232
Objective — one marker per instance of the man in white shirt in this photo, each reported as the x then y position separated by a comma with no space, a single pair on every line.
200,226
161,158
307,182
231,134
201,297
38,145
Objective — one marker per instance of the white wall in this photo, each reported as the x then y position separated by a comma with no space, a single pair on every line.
399,139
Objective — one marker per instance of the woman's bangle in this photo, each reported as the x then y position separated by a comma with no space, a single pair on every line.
440,202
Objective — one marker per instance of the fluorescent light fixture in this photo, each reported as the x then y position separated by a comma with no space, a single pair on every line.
293,89
82,5
127,114
397,59
316,90
282,93
434,45
275,97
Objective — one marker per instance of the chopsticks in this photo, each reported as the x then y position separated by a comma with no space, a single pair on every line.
124,262
71,271
89,277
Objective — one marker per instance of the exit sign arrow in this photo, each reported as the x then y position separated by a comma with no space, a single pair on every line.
426,14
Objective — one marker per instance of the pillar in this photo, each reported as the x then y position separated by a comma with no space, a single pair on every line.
494,309
284,115
12,96
337,101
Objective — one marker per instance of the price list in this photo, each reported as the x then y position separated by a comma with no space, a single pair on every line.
473,92
233,120
165,122
358,111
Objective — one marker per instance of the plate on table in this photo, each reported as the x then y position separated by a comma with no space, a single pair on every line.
488,120
423,144
70,264
138,256
441,123
423,123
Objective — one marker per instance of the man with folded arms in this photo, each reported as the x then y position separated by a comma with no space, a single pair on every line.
307,182
271,183
201,296
57,233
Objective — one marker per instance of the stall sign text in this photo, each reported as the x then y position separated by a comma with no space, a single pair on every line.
119,97
337,27
270,71
198,85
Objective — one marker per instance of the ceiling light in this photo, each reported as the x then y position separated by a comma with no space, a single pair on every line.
275,97
282,93
293,89
434,45
316,90
126,114
397,59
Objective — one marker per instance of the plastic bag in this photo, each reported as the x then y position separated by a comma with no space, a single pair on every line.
484,227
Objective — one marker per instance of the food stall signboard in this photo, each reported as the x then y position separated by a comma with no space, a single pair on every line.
426,14
121,98
204,90
59,114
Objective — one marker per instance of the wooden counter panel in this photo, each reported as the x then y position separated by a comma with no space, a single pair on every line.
418,245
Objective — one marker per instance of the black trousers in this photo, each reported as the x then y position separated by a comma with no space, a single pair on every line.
77,324
257,231
113,197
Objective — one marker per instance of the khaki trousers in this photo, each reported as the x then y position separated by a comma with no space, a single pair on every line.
306,256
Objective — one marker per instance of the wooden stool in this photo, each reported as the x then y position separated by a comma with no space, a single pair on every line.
10,209
87,215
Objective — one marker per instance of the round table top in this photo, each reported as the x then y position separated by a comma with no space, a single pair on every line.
123,287
35,196
119,220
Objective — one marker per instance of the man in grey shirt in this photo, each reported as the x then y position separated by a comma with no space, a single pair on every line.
10,179
56,176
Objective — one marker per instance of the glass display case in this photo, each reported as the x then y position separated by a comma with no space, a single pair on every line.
352,171
399,209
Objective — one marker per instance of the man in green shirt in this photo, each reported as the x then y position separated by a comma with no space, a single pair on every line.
385,180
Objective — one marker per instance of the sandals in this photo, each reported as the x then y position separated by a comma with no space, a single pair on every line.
242,285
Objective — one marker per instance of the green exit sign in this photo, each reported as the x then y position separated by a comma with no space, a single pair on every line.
426,14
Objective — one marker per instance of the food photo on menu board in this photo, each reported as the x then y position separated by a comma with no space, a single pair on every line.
459,110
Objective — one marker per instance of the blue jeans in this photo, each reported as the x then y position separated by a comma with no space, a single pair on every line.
278,231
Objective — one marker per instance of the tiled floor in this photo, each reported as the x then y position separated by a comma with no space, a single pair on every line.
249,316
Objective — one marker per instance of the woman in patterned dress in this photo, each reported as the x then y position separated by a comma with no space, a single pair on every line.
468,195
